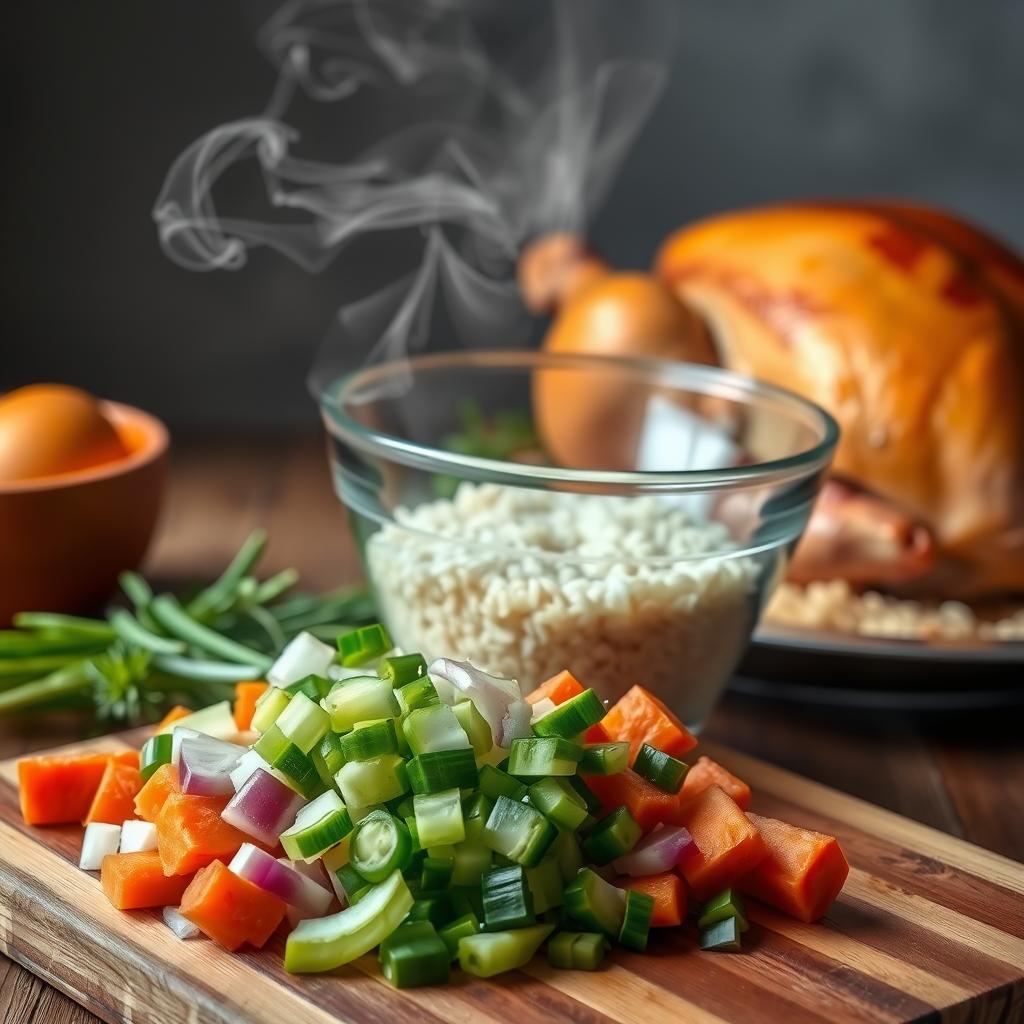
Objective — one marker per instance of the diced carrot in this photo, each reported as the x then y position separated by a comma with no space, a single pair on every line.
178,711
729,844
135,880
231,910
159,786
558,688
704,772
649,805
668,893
114,801
596,734
246,695
59,789
803,873
190,833
639,717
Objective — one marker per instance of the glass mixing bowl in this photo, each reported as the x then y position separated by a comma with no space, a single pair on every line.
634,542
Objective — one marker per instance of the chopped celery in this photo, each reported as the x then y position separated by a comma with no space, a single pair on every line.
585,792
318,826
369,740
459,929
518,831
402,669
442,769
507,899
351,881
545,882
414,955
636,923
380,845
312,686
269,705
475,726
323,943
571,717
156,751
660,769
728,903
593,902
434,728
567,851
359,699
418,694
286,758
722,937
327,758
303,722
494,783
363,645
439,818
613,836
436,872
558,802
472,859
372,782
489,953
435,908
539,757
475,811
604,758
577,951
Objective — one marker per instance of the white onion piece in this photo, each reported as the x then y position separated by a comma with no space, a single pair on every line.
179,924
277,877
137,837
499,701
263,808
205,765
541,708
99,840
304,656
660,851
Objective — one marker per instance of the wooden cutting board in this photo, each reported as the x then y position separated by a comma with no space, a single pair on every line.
928,928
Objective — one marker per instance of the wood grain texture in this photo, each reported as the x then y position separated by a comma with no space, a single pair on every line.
929,927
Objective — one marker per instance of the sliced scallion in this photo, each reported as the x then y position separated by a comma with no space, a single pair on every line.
439,818
722,937
518,831
442,769
507,899
304,722
613,836
414,955
728,903
494,783
380,844
467,924
359,699
318,826
595,903
402,669
572,717
543,756
558,802
363,645
155,752
660,769
475,726
370,740
434,728
376,781
636,923
604,758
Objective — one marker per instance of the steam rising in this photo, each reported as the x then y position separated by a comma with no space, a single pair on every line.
477,146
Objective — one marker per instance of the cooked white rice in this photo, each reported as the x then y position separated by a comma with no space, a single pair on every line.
525,583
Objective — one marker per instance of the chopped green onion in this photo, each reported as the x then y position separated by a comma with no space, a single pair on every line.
595,903
439,818
351,881
585,792
613,836
518,831
489,953
364,644
313,686
577,951
418,694
660,769
380,845
571,717
450,934
475,811
722,937
376,781
558,802
442,769
303,722
156,751
166,610
568,853
507,899
436,872
549,755
728,903
434,728
414,955
636,924
370,740
472,859
283,755
318,826
403,669
545,882
323,943
494,783
475,726
327,758
269,707
604,758
435,908
359,699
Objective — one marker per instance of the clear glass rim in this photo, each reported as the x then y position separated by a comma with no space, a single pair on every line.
689,377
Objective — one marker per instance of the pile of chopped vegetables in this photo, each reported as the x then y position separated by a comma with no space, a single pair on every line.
435,813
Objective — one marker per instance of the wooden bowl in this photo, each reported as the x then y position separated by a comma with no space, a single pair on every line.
64,538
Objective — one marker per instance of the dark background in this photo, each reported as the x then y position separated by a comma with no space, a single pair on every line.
768,99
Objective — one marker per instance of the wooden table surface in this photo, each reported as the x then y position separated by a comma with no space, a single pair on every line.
964,775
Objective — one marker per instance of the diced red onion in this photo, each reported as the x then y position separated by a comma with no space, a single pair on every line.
179,924
660,851
179,734
279,878
205,765
263,808
499,701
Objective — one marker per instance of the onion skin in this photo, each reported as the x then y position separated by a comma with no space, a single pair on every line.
658,852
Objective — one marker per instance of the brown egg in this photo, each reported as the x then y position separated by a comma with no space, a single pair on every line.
48,429
593,421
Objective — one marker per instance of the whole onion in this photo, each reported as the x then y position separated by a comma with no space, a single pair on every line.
499,701
660,851
205,765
